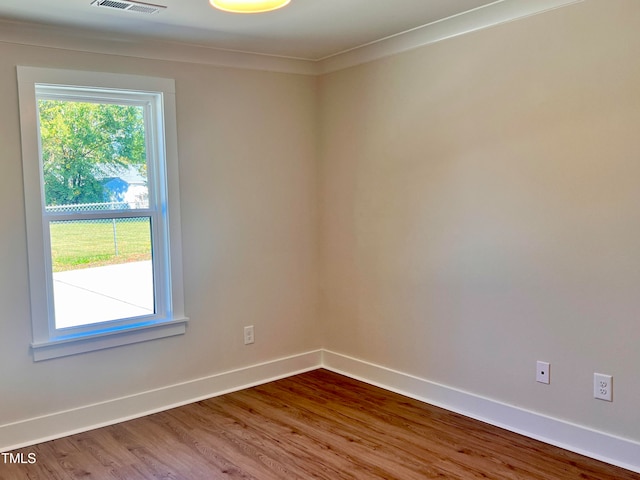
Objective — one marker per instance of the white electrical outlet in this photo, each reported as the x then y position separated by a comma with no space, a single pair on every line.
248,335
602,386
542,372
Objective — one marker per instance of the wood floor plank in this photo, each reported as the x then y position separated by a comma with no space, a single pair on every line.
344,442
278,440
318,425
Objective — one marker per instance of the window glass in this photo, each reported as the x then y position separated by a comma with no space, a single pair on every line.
93,155
94,163
102,270
99,168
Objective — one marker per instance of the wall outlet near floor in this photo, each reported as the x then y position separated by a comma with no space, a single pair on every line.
248,335
603,387
542,372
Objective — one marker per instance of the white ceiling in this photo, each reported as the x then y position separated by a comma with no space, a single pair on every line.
306,29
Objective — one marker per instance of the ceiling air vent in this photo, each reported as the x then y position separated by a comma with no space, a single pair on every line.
129,6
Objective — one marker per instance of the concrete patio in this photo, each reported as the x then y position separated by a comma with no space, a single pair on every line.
100,294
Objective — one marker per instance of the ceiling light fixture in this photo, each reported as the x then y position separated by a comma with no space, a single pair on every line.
248,6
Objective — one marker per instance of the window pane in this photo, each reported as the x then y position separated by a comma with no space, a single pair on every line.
102,270
93,156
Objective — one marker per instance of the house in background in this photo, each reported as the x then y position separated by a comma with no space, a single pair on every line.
126,185
433,213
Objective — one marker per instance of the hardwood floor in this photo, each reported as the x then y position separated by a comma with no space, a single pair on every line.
315,425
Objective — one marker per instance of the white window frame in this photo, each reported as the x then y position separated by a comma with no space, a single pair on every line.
157,96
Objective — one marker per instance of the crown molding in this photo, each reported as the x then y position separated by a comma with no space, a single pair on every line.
91,41
480,18
495,13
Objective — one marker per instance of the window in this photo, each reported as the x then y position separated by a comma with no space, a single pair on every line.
101,197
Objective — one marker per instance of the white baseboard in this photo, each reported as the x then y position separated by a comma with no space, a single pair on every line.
579,439
61,424
601,446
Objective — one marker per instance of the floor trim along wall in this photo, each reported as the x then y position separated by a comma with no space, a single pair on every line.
61,424
601,446
608,448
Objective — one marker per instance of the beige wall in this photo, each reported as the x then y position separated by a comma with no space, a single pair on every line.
248,198
480,210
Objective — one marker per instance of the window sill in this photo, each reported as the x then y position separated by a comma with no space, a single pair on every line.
71,346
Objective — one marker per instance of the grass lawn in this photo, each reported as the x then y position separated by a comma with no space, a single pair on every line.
90,243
